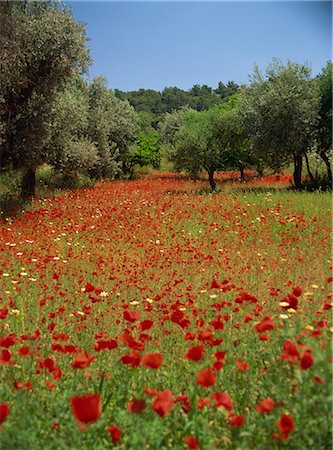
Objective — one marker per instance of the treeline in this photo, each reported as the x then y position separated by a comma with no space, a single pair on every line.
50,113
199,97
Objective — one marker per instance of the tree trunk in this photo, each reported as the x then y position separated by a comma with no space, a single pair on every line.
326,160
241,170
211,179
28,183
308,168
298,171
124,168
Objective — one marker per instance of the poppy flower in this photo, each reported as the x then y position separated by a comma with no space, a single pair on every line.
115,433
136,406
105,345
82,361
4,411
266,324
195,353
202,402
286,425
191,442
8,341
307,360
242,365
185,402
162,404
215,284
206,378
89,287
146,324
5,357
317,379
236,421
86,409
222,399
290,352
297,291
131,359
151,392
265,406
152,360
131,316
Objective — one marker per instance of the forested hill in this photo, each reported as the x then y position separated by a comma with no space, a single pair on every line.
199,97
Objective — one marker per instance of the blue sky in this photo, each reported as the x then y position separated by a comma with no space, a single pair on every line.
157,44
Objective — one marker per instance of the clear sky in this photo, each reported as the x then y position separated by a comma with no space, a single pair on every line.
157,44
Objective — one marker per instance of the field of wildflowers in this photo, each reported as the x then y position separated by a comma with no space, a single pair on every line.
152,315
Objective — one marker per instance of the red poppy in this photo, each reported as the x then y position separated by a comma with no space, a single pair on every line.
136,406
89,287
215,284
292,301
222,399
131,359
82,360
151,392
5,357
191,442
115,433
4,411
297,291
185,402
265,405
146,324
105,345
286,425
131,342
217,324
318,379
290,352
266,324
195,353
86,409
206,378
206,335
152,360
162,404
24,351
131,316
307,360
236,421
247,318
8,341
202,402
27,385
242,365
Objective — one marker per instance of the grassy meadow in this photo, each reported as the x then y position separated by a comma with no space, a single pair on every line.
152,314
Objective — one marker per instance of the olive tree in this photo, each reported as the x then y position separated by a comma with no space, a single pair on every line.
41,47
113,126
70,148
210,140
280,112
325,123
